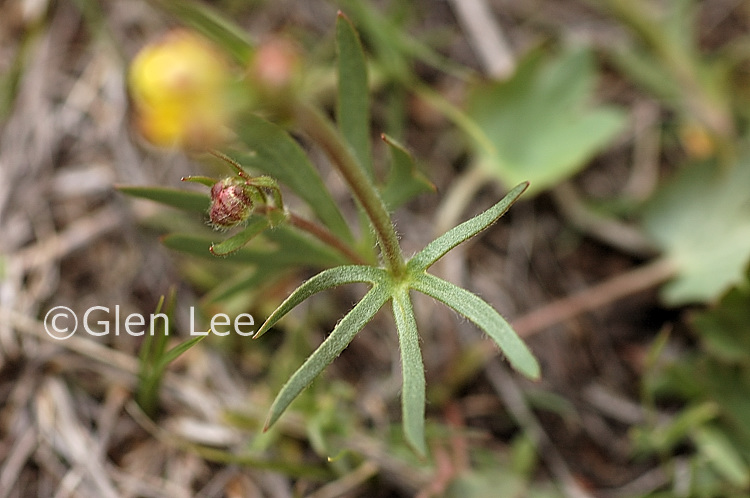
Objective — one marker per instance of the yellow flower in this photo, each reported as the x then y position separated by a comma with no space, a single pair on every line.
180,87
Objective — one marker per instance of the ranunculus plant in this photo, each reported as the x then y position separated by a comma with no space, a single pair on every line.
248,206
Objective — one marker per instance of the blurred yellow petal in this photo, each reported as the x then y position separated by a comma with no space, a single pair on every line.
180,87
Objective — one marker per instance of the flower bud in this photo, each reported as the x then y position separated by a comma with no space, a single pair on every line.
230,203
275,65
180,87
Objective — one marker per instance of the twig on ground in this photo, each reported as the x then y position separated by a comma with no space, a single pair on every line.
348,483
644,174
507,388
608,230
592,298
486,36
77,235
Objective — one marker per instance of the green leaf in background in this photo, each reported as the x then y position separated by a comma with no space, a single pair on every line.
180,199
254,226
304,247
701,220
394,48
275,153
725,329
667,436
306,252
666,44
541,121
214,26
247,283
353,109
722,455
405,181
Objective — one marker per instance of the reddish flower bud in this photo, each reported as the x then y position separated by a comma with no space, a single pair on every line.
275,65
230,203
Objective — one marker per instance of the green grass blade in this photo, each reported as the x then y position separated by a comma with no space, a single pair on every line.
413,393
238,241
176,351
721,453
251,282
485,317
275,153
334,344
153,345
180,199
153,358
405,181
324,280
466,230
353,110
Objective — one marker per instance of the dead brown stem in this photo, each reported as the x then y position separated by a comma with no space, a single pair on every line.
640,279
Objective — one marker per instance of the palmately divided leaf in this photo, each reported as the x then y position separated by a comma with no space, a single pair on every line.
324,280
485,317
541,121
353,110
466,230
331,347
413,392
180,199
255,226
701,219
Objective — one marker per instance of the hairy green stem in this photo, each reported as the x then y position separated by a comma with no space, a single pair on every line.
319,128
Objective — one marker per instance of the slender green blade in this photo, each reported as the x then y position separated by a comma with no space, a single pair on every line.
353,111
485,317
334,344
154,344
306,253
721,453
203,180
393,45
180,199
295,240
248,283
405,181
176,351
238,241
275,153
466,230
413,393
213,26
324,280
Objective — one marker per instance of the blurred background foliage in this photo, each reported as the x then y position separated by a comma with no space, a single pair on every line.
626,269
